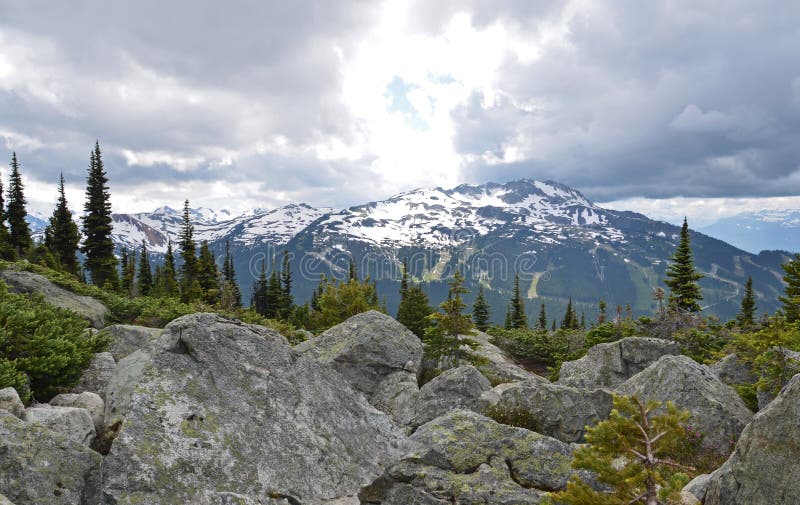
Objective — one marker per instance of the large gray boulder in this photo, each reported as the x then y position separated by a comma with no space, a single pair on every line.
733,371
9,400
716,409
5,501
219,406
366,350
558,411
73,423
119,391
95,378
611,364
464,457
91,402
127,338
763,468
496,364
456,388
20,281
38,466
791,362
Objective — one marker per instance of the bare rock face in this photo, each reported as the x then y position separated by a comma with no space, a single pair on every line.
38,466
9,400
95,378
763,469
73,423
732,371
377,355
127,338
220,409
456,388
464,457
20,281
717,410
560,412
611,364
498,366
92,402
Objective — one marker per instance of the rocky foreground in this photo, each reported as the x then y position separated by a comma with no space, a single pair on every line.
212,411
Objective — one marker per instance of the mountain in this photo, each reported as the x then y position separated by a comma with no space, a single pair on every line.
757,231
562,245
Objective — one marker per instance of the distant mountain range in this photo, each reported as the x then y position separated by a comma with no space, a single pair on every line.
562,244
757,231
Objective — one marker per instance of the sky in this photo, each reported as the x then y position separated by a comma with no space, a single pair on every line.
667,107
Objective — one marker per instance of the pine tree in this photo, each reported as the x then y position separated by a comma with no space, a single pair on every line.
145,277
259,298
480,311
747,312
602,316
6,250
508,324
352,274
169,275
62,235
451,327
414,310
518,318
233,293
274,295
190,285
404,280
541,321
568,323
97,245
555,325
19,231
286,303
583,320
682,277
127,273
207,274
632,454
791,300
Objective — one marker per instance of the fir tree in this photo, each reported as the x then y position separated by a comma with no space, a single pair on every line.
480,311
414,310
602,316
189,283
145,277
259,298
747,312
633,454
352,274
233,293
318,293
569,323
19,231
97,245
451,326
507,322
274,295
286,303
554,326
6,250
169,275
541,322
583,320
207,274
518,318
127,273
791,299
404,280
62,235
682,277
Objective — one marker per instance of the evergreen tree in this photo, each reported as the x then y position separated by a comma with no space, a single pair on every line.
507,322
6,250
480,311
352,274
555,325
207,274
190,285
233,294
62,235
791,299
259,298
569,322
19,231
602,316
633,454
286,303
97,245
451,327
404,280
342,300
583,320
128,270
169,274
541,322
747,312
414,310
145,277
317,294
274,295
518,318
682,277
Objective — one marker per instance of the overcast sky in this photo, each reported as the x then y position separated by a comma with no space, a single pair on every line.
261,103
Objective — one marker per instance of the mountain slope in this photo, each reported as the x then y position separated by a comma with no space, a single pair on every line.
758,231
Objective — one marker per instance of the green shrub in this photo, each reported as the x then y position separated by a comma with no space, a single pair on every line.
512,416
49,345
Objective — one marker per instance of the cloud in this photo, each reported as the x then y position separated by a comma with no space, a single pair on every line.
256,103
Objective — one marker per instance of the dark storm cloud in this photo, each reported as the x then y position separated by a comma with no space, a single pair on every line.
652,98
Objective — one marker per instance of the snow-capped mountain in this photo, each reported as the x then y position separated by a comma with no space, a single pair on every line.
563,245
758,231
